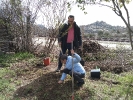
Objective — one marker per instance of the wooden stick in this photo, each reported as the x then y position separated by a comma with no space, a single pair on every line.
72,74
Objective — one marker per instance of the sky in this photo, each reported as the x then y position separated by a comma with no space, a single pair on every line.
98,13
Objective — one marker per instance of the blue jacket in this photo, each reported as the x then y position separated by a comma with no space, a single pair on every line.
77,67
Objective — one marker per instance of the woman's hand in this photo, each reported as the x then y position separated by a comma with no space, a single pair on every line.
60,81
72,52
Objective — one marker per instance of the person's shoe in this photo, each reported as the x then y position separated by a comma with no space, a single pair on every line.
80,84
57,70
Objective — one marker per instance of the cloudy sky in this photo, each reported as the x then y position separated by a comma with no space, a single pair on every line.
100,13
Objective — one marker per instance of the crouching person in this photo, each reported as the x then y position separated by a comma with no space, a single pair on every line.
78,70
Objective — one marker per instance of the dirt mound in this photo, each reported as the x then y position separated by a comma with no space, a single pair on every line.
90,47
45,87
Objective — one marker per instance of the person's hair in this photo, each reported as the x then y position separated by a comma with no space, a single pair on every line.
71,16
63,57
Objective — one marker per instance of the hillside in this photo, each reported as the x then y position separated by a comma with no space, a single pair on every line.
102,26
90,28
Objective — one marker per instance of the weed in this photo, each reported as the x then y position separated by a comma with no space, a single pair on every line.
28,90
45,95
102,89
7,59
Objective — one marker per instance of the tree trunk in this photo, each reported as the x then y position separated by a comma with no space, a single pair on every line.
28,34
130,37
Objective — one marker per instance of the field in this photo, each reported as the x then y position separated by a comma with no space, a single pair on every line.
24,77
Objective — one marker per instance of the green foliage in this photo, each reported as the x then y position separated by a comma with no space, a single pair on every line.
7,59
5,82
7,75
85,1
100,33
91,35
110,87
82,7
121,89
21,55
6,71
69,6
81,3
86,35
2,22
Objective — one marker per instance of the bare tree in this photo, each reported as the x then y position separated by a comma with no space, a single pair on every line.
54,12
21,15
31,9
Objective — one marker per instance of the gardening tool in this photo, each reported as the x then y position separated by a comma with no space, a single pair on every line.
72,74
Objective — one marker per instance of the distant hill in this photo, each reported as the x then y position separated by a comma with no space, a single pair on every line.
95,27
102,26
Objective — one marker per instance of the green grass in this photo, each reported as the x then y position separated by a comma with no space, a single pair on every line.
7,59
107,90
6,88
7,75
110,87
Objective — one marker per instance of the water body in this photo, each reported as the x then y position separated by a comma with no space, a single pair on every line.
107,44
115,45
